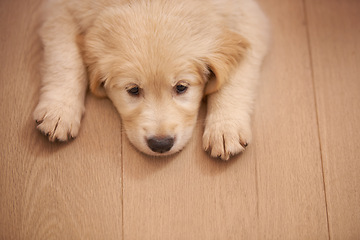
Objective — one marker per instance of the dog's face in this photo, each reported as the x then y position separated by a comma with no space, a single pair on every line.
159,110
156,70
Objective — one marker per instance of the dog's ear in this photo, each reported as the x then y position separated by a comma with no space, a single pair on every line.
96,78
228,52
96,81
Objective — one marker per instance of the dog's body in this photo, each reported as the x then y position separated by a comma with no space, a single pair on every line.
155,59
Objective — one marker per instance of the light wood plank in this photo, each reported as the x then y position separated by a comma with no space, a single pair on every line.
291,194
335,46
272,191
51,190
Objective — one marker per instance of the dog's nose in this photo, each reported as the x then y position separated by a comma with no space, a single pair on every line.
160,144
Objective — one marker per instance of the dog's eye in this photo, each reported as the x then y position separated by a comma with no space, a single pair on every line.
181,88
134,91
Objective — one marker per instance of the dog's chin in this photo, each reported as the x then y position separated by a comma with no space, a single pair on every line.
165,154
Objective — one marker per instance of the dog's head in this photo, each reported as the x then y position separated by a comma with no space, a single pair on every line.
156,62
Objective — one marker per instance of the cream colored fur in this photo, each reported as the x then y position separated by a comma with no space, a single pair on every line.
212,48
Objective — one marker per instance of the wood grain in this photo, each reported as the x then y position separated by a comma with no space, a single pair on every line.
51,190
291,191
335,47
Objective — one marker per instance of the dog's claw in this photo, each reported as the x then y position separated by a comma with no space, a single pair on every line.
70,137
244,144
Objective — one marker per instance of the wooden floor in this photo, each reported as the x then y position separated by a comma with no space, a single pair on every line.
300,179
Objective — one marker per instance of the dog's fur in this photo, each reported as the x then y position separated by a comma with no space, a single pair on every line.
156,60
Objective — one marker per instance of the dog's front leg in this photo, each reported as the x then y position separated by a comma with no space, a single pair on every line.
61,103
228,122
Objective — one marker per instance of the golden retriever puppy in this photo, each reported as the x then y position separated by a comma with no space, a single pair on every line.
156,60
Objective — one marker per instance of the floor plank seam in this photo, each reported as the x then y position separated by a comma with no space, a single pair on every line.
122,181
257,194
316,112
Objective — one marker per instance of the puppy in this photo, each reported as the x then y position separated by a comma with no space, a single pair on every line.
155,60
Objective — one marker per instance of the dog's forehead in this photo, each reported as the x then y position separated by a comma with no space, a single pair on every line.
173,74
159,69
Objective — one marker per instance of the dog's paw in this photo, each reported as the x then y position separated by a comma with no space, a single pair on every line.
224,139
58,121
